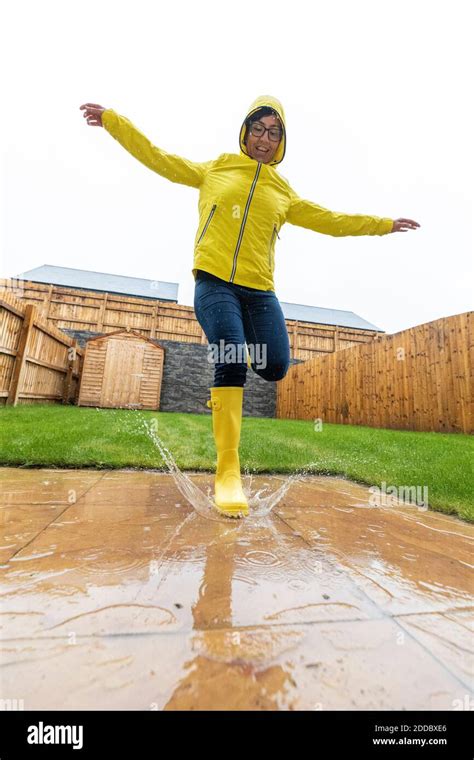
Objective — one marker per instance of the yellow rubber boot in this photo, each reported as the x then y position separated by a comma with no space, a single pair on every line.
226,404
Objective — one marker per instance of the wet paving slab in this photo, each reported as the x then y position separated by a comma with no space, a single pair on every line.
117,594
50,494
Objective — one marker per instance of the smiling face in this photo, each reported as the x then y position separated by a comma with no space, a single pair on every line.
262,148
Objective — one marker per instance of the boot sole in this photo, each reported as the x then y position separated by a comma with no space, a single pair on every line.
232,510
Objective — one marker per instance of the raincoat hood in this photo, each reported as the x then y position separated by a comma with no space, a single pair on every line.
271,102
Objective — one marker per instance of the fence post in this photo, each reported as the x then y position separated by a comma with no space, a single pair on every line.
21,355
295,340
70,369
154,321
101,315
47,303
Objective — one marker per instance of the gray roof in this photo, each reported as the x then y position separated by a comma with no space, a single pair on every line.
323,316
105,282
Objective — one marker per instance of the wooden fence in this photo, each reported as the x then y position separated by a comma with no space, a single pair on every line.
418,379
76,309
38,363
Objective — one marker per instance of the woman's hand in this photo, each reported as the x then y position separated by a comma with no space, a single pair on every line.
402,225
93,114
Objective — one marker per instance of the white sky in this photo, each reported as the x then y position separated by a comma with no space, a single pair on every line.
378,101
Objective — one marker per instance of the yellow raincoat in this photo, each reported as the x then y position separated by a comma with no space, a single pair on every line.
243,203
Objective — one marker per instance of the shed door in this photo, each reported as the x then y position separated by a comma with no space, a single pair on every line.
122,373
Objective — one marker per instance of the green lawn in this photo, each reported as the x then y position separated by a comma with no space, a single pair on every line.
69,436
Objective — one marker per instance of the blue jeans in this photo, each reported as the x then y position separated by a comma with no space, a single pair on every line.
231,316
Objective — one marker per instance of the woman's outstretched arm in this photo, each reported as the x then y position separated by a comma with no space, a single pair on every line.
175,168
307,214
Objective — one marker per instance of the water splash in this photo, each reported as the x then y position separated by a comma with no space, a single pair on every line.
260,503
262,506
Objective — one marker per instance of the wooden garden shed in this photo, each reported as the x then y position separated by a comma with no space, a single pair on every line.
122,370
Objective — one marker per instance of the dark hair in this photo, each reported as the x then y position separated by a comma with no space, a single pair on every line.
263,111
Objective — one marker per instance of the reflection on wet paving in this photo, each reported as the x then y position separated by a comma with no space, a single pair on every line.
117,594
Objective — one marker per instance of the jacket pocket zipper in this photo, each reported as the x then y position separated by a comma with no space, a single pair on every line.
207,223
270,250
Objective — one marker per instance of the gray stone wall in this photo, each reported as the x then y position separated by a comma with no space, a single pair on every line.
188,375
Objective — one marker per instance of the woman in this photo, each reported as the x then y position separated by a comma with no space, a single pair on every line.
243,203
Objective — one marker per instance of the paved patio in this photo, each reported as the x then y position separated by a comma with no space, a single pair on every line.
118,595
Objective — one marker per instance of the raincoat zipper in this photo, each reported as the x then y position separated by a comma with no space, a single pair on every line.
242,226
207,223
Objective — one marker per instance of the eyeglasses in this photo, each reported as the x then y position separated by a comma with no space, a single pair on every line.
257,129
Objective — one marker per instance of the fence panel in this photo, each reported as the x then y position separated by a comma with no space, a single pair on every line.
417,379
38,363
